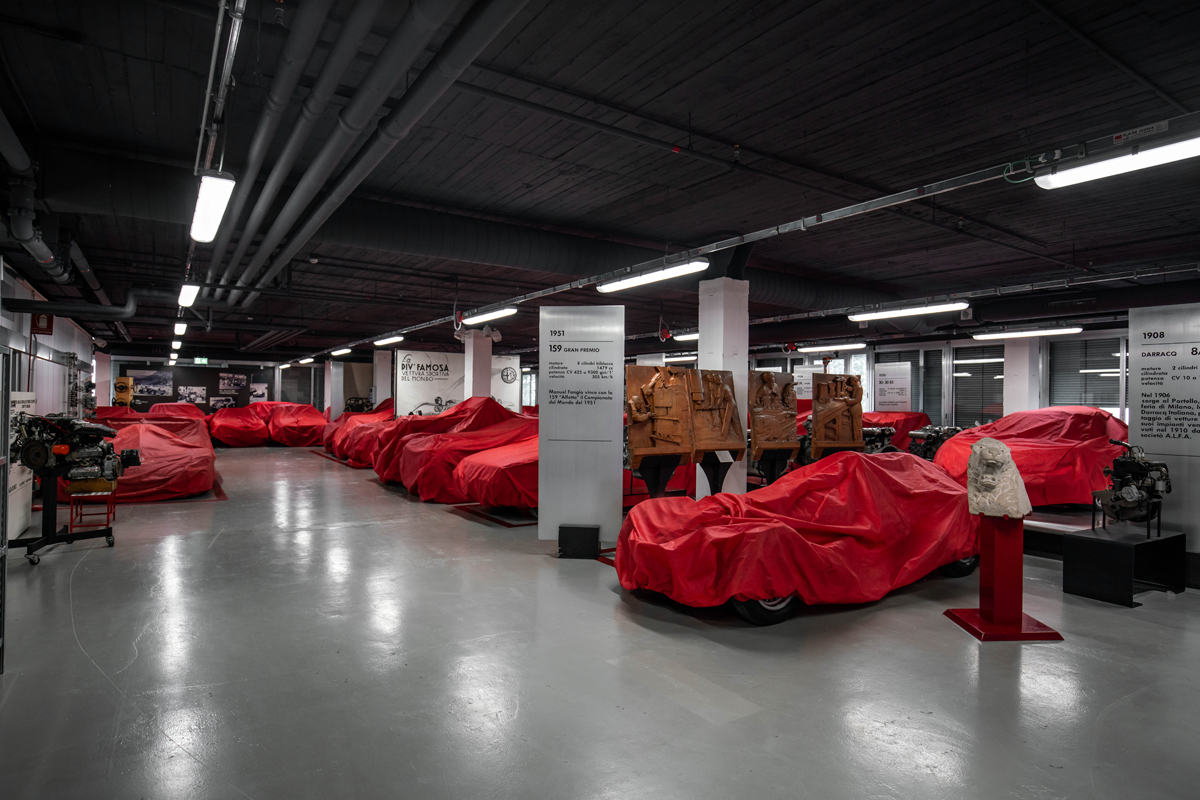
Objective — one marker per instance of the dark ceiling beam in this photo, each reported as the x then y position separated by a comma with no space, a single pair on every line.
1108,56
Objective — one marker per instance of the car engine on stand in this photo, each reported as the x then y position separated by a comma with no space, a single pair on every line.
1137,486
65,447
926,441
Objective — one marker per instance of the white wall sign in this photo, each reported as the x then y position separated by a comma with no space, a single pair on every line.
581,389
506,381
432,382
803,380
1164,404
893,389
20,477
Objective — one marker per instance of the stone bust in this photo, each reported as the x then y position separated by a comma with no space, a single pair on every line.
994,485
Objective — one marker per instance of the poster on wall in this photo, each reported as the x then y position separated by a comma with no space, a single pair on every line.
222,402
152,382
231,382
193,394
506,381
893,386
428,383
20,477
803,380
258,392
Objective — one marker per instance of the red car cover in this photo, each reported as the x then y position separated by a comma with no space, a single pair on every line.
238,427
337,440
847,529
362,444
1061,451
117,412
175,410
903,421
263,409
172,466
427,463
194,431
503,476
471,414
295,424
332,427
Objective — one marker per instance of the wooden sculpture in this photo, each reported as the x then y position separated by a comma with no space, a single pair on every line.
837,414
716,423
772,415
658,413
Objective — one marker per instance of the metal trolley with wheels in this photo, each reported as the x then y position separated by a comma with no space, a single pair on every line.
51,533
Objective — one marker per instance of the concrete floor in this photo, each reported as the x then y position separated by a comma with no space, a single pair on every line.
320,635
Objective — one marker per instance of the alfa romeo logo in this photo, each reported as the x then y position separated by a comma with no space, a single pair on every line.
508,375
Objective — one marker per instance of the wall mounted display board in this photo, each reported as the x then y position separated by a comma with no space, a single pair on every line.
20,477
429,383
772,413
1164,405
803,378
580,397
893,386
506,381
207,387
837,414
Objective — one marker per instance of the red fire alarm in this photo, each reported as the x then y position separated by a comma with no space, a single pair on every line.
41,324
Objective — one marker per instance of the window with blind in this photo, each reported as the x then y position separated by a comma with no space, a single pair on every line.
913,357
1086,372
978,385
931,386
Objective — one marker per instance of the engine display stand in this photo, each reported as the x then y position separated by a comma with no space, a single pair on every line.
1000,617
51,533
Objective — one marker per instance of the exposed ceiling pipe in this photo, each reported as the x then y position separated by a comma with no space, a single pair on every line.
353,32
306,29
92,311
419,25
482,24
21,229
13,151
85,269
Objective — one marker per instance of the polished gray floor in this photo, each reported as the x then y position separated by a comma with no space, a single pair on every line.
320,635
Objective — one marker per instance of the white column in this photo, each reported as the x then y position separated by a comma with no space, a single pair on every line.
652,360
1022,374
335,388
278,384
383,375
725,344
104,385
478,368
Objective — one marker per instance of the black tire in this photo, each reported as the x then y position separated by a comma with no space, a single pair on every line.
111,541
891,448
961,568
34,560
765,612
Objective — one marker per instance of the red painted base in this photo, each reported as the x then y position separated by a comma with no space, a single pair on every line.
1030,630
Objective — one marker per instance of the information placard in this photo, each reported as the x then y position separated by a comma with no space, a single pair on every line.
1164,404
581,353
893,386
803,380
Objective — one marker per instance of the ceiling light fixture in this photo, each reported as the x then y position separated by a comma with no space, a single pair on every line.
187,294
998,377
285,366
306,360
912,311
686,337
1113,370
666,273
341,352
680,358
1025,334
180,328
979,361
1136,158
389,340
962,374
821,348
175,345
489,316
215,190
524,369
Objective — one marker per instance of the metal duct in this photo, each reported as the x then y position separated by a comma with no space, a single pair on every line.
790,291
13,151
91,311
482,24
85,269
416,29
20,226
306,29
352,35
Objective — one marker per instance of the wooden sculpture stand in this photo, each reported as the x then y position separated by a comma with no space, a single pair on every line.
837,414
1000,616
773,439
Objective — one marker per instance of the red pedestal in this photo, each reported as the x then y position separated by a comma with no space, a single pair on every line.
999,617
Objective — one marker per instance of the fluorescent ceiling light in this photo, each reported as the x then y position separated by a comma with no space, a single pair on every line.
187,294
215,191
998,377
389,340
285,366
979,361
821,348
341,352
1113,370
913,311
1109,375
175,345
962,374
686,337
489,316
1061,176
306,361
686,268
180,328
1024,334
680,358
768,369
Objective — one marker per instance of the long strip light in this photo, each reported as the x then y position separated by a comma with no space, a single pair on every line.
1138,158
979,361
489,316
215,191
686,337
1025,334
180,328
389,340
821,348
686,268
187,294
341,352
962,375
679,358
913,311
1113,370
306,360
285,366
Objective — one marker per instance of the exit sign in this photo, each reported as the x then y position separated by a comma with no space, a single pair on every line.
199,360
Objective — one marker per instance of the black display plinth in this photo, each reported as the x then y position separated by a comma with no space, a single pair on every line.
656,472
1113,563
579,541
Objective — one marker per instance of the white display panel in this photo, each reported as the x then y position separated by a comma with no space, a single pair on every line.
803,380
430,383
1164,404
20,477
893,386
580,394
506,381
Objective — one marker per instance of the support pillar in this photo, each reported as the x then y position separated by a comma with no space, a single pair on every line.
104,384
382,385
651,360
1022,374
478,368
725,344
335,388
